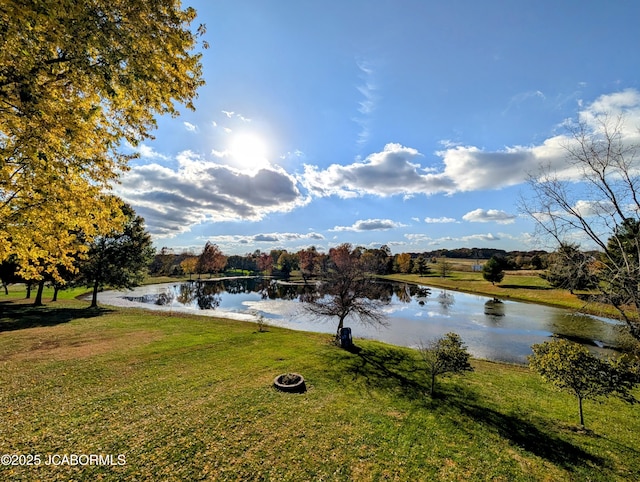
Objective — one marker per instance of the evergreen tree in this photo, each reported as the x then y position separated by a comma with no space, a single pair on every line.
119,259
493,271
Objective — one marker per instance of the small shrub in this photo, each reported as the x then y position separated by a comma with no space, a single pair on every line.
443,356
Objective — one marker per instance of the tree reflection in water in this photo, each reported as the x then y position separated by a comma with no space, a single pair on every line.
446,300
499,331
494,309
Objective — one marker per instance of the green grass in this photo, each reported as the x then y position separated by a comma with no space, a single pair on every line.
191,398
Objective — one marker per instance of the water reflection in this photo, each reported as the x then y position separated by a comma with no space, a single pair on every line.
495,329
494,310
446,300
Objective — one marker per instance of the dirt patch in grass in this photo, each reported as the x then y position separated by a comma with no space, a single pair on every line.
50,345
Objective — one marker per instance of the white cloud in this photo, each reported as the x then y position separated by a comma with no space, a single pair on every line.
422,241
284,237
370,225
190,127
593,208
219,154
488,237
230,243
173,200
390,172
418,238
231,114
397,170
523,97
492,215
147,152
442,220
367,105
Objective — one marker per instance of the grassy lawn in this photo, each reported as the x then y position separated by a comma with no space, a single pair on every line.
191,398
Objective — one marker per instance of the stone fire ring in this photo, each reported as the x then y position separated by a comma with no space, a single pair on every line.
297,387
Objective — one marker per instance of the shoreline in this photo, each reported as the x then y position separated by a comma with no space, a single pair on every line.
563,299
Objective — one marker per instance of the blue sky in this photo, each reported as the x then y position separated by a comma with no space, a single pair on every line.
412,124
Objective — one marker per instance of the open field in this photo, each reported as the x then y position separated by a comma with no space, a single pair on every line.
191,398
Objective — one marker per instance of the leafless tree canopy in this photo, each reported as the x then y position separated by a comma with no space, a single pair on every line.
347,291
597,204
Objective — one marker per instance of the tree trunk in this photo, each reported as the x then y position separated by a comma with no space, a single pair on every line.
28,297
340,326
38,300
6,288
94,298
581,416
433,384
56,288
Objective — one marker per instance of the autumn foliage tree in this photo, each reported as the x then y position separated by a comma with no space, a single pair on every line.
189,265
265,263
308,262
78,82
211,260
403,263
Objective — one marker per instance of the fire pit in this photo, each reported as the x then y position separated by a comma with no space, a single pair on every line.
290,382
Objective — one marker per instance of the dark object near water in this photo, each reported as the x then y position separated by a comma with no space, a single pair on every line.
346,341
290,382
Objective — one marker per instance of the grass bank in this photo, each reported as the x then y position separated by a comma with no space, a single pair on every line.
191,398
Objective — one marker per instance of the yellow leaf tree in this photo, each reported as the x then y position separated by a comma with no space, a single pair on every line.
78,82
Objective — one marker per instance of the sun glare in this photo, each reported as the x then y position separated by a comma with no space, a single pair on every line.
248,150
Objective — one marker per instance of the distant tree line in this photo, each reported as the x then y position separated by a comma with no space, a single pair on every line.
310,262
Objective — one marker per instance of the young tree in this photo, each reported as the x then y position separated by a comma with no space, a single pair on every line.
492,271
443,356
346,290
79,81
119,259
444,267
189,265
602,207
572,368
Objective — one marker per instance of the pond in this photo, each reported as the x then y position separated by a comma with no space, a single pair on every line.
494,330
